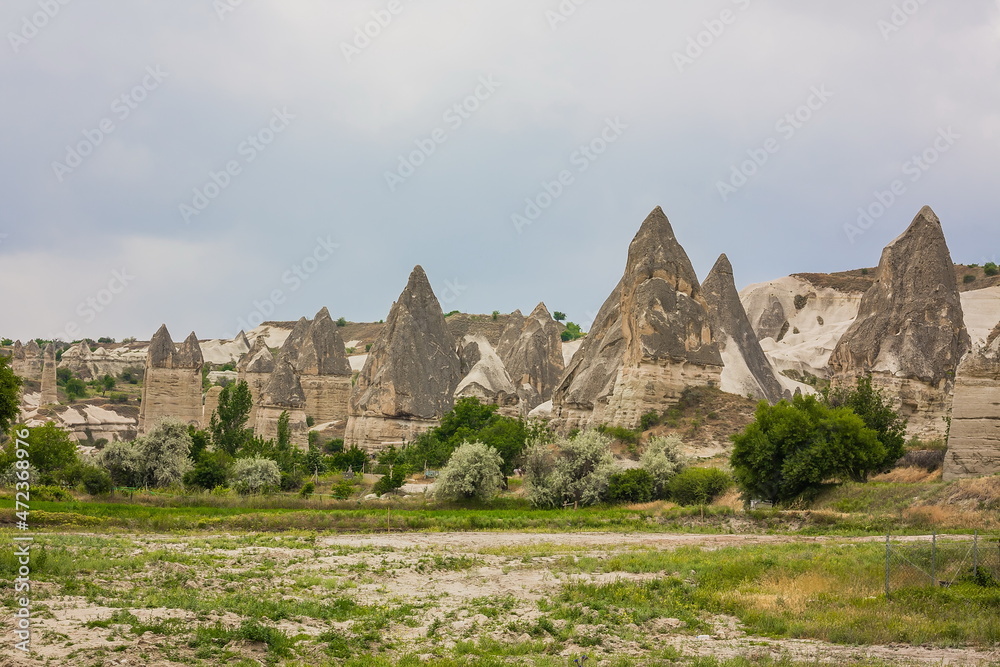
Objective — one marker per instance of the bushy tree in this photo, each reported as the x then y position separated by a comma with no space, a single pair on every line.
630,486
662,459
391,481
165,454
75,388
878,414
96,481
210,471
50,450
473,471
123,462
794,448
10,395
699,486
570,471
255,475
228,424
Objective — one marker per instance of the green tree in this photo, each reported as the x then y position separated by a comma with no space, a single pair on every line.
255,475
108,383
559,316
210,471
10,395
794,448
96,481
630,486
50,450
878,414
228,424
123,462
473,471
699,486
165,454
391,481
991,269
572,332
573,471
662,459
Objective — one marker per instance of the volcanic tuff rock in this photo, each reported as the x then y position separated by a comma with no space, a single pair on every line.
50,389
910,331
412,371
974,442
172,383
27,360
316,351
255,368
485,377
650,340
283,394
747,370
531,350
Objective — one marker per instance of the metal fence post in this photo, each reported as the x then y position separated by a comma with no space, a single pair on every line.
934,559
888,553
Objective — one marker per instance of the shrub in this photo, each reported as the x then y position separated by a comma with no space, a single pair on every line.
570,471
97,481
794,448
630,486
969,278
391,481
801,301
255,475
650,420
164,454
122,462
341,322
210,472
699,486
75,388
572,332
342,490
928,459
619,433
991,269
50,494
118,397
307,490
662,459
473,471
19,473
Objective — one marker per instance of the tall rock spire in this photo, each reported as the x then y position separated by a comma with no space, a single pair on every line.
412,371
172,385
747,369
910,331
531,350
651,338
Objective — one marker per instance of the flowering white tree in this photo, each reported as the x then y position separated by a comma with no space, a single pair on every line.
473,471
255,475
569,471
662,459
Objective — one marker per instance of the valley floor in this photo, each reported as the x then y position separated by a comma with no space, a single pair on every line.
488,598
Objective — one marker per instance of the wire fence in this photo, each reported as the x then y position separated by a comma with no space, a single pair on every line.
940,561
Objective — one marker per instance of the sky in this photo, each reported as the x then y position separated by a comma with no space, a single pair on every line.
212,163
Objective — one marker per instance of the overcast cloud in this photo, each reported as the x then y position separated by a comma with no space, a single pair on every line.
300,133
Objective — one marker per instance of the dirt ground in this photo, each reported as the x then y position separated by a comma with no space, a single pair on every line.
457,587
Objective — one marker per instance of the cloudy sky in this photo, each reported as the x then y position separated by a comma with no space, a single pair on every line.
205,163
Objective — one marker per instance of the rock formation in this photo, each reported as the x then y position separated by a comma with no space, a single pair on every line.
75,359
255,369
172,384
531,350
211,405
484,376
910,332
283,394
316,352
50,388
747,370
412,371
27,361
650,340
974,442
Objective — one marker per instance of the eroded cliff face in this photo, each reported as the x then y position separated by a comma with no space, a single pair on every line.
409,379
172,385
283,393
974,442
531,351
747,369
316,351
910,331
650,340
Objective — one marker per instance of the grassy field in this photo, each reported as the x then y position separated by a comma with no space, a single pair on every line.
476,599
